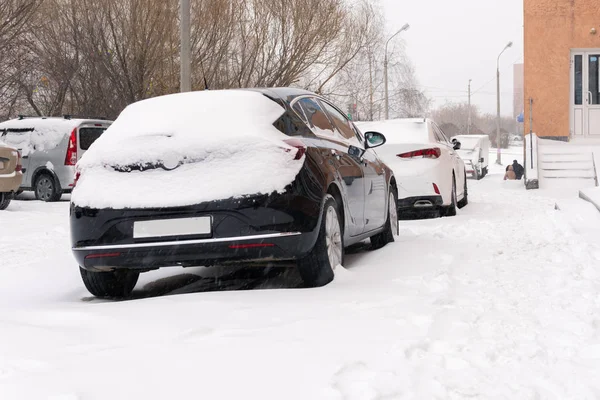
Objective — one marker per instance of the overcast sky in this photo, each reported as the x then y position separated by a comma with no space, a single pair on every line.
452,41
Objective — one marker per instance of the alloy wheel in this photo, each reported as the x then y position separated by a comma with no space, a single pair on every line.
393,215
333,237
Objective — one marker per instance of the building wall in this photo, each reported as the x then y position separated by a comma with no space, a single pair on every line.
518,90
552,28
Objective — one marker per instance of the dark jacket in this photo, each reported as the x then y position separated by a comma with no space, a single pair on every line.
519,170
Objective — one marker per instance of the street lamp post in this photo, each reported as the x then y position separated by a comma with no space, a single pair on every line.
185,55
385,70
498,139
469,110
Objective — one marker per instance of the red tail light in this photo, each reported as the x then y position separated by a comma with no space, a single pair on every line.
425,153
251,245
298,144
71,157
436,188
77,175
102,255
19,166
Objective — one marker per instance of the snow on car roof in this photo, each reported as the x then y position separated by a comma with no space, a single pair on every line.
190,121
46,133
223,141
408,130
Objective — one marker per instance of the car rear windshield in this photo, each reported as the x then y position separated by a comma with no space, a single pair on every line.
87,136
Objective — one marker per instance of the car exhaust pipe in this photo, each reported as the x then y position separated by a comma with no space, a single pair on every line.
423,204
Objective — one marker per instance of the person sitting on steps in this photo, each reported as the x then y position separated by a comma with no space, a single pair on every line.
510,174
518,169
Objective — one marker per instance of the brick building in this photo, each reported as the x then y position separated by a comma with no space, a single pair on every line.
562,67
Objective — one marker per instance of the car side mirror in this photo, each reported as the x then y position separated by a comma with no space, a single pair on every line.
456,144
356,152
374,139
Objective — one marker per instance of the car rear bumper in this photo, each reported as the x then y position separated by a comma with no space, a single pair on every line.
10,182
420,203
186,253
258,228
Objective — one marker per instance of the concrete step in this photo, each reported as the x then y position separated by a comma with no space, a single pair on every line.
566,165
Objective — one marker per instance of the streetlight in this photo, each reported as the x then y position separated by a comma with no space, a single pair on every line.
469,110
385,70
185,55
498,139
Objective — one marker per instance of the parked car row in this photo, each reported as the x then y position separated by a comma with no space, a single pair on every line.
252,176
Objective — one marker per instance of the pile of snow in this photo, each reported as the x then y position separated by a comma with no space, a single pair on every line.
216,145
46,134
592,195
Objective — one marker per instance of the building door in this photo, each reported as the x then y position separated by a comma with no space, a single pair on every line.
585,98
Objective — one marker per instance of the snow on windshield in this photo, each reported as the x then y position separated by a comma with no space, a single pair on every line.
223,141
38,134
398,131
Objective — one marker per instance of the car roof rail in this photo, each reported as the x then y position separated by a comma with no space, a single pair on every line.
21,116
69,116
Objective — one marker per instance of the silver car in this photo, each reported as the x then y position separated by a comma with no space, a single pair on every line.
50,148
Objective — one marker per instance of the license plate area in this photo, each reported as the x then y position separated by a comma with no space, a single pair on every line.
195,226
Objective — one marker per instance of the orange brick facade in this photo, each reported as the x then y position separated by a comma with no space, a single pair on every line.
552,28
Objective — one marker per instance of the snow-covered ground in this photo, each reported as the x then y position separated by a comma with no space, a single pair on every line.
502,301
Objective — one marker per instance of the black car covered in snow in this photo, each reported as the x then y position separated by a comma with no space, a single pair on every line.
252,176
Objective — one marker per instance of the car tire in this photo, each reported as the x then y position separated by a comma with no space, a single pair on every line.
5,199
110,284
391,224
45,188
465,200
316,268
451,209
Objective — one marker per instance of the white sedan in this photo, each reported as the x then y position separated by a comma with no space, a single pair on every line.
431,176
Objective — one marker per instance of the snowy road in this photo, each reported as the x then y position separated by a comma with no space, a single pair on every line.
502,301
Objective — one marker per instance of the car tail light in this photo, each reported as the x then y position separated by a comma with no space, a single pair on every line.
436,189
299,145
19,166
102,255
77,176
71,157
425,153
251,245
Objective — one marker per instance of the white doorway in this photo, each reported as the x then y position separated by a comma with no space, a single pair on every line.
585,93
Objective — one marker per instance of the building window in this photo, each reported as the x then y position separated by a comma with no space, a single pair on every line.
594,72
578,80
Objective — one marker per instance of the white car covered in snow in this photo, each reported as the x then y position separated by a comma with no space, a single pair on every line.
475,152
430,174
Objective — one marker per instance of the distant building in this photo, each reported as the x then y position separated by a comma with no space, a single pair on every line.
562,67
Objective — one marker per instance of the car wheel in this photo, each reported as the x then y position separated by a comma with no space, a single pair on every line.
391,229
5,199
316,269
111,284
45,188
465,199
451,209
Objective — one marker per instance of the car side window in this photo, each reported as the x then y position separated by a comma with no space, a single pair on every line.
437,134
316,118
443,135
299,111
343,125
358,133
